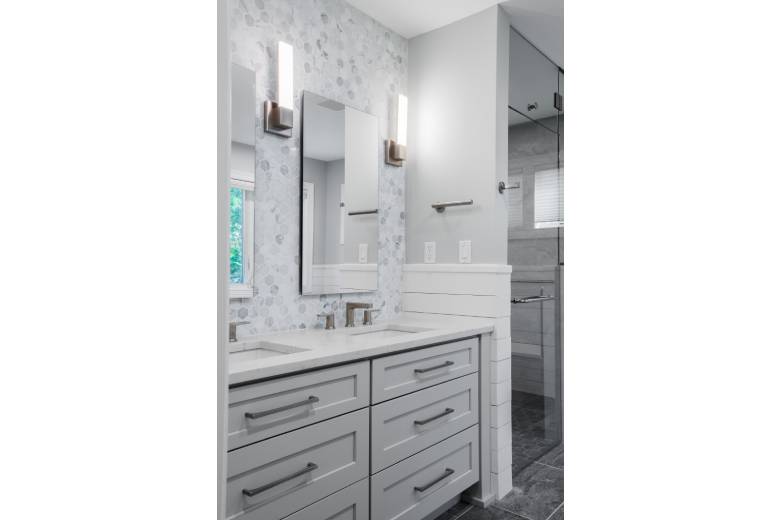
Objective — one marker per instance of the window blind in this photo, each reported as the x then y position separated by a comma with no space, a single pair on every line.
548,198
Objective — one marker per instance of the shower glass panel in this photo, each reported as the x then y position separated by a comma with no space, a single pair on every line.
535,252
533,81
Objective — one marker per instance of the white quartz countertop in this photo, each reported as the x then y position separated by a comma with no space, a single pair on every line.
285,352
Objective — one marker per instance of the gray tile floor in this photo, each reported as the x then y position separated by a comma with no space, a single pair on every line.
537,470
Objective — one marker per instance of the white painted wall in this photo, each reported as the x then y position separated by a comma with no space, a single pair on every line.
458,78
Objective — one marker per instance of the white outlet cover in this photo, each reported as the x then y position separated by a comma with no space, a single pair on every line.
430,252
362,253
465,251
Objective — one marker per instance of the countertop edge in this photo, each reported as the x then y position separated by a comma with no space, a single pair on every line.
341,357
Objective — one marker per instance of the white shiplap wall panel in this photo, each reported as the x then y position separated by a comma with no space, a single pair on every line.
480,290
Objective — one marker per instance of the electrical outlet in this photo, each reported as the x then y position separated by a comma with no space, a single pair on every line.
464,251
430,252
362,253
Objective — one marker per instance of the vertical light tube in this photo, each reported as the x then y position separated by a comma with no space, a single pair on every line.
284,76
401,124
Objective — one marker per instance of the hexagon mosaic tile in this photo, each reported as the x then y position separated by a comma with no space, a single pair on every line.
343,54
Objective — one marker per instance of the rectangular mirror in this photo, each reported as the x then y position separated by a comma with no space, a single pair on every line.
242,181
339,198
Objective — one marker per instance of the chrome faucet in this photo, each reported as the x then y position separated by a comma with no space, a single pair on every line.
351,306
368,316
233,325
329,320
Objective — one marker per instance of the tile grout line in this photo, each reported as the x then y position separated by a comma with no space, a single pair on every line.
464,512
554,511
518,515
548,465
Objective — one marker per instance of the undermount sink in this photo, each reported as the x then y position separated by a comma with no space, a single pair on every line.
385,331
261,350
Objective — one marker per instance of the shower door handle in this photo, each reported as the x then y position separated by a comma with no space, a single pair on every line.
532,299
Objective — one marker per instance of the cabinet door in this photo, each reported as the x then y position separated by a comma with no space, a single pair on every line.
348,504
417,486
409,424
399,374
268,408
271,479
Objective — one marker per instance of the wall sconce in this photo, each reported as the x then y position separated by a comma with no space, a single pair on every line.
279,114
395,151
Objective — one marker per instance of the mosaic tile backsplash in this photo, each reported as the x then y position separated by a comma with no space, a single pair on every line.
343,54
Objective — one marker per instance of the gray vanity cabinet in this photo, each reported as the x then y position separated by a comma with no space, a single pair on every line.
348,504
276,477
417,486
393,437
406,425
262,410
399,374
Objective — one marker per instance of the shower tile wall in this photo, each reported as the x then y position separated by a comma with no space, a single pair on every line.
342,54
531,148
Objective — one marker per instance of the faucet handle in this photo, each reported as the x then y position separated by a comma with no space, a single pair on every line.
232,329
330,322
368,316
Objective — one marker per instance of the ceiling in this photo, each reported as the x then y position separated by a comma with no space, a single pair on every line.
541,21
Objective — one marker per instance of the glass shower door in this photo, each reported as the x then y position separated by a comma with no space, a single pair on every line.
535,253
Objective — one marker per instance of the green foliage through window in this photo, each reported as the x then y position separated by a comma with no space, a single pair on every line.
236,235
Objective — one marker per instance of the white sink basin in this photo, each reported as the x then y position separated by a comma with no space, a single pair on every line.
384,331
261,350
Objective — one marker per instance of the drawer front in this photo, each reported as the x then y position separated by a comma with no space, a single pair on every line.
404,426
271,479
417,486
265,409
348,504
400,374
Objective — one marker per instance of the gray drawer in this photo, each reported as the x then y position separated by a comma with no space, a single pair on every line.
271,479
348,504
399,374
404,426
419,485
281,405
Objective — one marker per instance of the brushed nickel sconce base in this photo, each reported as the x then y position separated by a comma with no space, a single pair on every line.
278,120
395,154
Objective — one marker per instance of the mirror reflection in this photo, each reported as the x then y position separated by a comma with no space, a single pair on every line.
339,198
242,181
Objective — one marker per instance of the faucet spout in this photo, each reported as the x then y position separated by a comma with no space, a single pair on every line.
351,306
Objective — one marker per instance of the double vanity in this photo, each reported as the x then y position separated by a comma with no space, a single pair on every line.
376,422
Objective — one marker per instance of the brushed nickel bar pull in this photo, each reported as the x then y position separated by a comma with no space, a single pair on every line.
256,415
447,473
364,212
502,187
447,411
252,492
429,369
441,206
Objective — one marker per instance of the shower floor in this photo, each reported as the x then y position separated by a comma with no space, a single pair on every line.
537,469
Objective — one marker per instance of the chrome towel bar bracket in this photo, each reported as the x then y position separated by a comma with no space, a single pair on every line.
441,206
502,186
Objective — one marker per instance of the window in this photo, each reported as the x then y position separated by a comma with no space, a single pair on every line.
241,235
548,198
